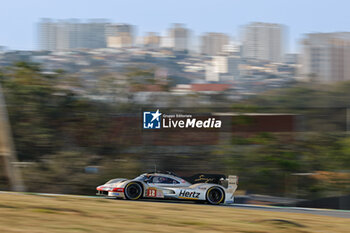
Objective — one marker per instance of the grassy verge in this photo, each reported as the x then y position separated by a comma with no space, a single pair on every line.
31,213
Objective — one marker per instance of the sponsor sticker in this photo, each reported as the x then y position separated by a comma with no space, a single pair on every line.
151,192
188,194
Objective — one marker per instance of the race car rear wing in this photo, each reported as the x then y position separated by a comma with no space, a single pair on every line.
232,183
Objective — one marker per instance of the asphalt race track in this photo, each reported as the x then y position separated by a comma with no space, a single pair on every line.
324,212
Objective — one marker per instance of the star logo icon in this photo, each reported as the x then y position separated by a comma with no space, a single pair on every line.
156,115
151,120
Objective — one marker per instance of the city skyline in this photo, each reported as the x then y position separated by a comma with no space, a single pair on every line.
200,16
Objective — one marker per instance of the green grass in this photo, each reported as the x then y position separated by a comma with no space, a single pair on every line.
32,213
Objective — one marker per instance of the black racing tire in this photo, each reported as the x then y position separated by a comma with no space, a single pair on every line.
133,191
215,195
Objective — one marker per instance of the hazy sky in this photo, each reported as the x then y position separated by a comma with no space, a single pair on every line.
18,18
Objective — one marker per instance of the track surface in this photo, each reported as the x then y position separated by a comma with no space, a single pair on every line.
324,212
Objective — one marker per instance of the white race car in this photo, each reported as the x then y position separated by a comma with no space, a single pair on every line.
211,188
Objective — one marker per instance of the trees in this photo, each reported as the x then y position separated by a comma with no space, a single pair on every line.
46,116
31,103
266,162
58,130
63,132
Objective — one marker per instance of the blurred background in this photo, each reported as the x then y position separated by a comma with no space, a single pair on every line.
277,76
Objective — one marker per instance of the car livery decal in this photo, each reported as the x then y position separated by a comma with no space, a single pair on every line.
154,192
151,192
186,194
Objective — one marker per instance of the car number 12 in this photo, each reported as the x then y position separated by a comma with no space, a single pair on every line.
151,192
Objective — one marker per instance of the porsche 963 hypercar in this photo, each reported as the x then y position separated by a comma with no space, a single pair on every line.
210,188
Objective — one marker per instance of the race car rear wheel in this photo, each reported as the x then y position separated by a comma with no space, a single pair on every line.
215,195
133,191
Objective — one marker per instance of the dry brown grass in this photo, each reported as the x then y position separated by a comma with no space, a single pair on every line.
31,213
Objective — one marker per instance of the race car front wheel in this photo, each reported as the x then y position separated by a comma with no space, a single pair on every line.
215,195
133,191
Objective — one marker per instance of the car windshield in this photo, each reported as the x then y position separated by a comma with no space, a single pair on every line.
140,177
163,180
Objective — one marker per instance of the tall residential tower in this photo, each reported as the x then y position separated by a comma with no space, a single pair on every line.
213,43
326,56
120,35
264,41
178,37
71,34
